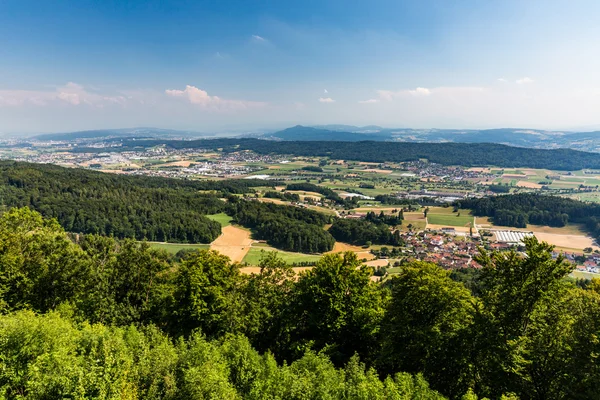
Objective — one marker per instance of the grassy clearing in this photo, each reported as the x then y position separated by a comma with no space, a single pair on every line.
417,225
221,218
175,247
449,219
255,254
584,275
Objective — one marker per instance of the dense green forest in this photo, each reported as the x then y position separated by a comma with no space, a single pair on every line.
101,318
284,227
374,229
85,201
326,192
521,209
466,154
156,209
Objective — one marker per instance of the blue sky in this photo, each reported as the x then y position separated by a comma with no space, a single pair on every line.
219,65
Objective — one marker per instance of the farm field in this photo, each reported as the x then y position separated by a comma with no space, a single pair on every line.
449,219
569,238
255,254
569,229
234,242
570,241
584,275
175,247
360,252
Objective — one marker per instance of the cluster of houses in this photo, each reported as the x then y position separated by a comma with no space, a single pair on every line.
586,263
446,250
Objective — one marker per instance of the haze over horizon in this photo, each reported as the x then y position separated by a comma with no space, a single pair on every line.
202,66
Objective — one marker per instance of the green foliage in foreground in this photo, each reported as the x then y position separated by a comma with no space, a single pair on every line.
52,357
94,317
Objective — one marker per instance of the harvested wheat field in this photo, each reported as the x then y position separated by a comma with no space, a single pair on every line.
413,216
479,169
360,252
270,200
579,242
530,185
234,242
185,163
378,263
379,171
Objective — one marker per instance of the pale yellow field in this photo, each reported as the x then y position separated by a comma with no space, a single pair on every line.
360,252
379,171
270,200
569,238
570,229
303,193
414,216
578,242
183,163
530,185
377,263
234,242
476,169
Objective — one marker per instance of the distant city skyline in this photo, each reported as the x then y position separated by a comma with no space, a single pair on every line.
206,66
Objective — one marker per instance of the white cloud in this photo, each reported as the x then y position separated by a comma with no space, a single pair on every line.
71,94
524,81
386,95
389,95
202,99
325,91
326,100
370,101
420,91
502,80
258,38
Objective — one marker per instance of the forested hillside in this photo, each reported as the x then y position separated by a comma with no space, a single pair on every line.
156,209
140,207
466,154
284,227
101,318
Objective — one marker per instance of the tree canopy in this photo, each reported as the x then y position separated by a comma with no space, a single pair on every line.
96,317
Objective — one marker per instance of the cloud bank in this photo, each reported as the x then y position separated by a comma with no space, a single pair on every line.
203,100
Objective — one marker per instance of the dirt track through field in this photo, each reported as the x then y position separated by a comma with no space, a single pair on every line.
234,242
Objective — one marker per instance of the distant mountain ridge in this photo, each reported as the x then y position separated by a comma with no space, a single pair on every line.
300,132
119,133
521,137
